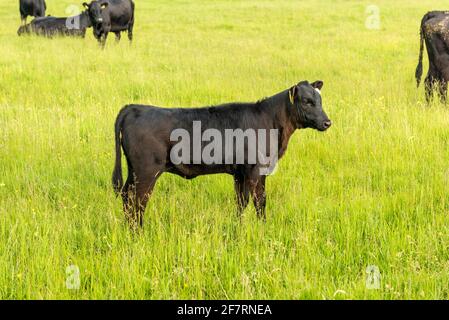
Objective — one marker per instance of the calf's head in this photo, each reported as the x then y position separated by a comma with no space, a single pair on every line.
94,10
306,99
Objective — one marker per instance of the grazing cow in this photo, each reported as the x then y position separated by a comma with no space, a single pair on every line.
111,16
147,134
435,31
34,8
52,26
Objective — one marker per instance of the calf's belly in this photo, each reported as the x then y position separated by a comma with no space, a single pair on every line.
120,23
191,171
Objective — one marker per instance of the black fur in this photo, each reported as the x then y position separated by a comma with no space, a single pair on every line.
34,8
53,26
434,31
111,16
144,134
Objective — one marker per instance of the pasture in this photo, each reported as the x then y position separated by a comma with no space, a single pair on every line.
371,191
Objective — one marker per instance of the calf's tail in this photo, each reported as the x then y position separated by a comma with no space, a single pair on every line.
117,178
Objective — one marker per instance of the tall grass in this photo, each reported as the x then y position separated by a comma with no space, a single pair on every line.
373,190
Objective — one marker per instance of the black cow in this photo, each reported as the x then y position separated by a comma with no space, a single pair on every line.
52,26
145,133
34,8
111,16
435,31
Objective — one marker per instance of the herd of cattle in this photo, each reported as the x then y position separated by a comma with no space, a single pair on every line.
103,16
116,16
143,132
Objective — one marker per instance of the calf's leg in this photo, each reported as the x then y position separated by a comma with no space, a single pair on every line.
428,87
102,39
140,187
144,188
128,196
444,78
130,30
241,192
118,36
442,90
255,184
259,197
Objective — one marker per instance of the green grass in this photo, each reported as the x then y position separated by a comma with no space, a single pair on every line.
373,190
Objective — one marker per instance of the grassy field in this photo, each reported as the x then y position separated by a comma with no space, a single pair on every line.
373,190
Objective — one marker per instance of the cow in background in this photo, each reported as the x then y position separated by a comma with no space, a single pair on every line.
53,26
111,16
435,32
34,8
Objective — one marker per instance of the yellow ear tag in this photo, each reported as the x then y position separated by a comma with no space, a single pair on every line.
290,94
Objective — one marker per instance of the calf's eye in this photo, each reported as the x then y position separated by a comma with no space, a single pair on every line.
309,102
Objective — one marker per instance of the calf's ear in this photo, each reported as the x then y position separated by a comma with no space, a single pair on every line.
104,5
318,84
85,5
